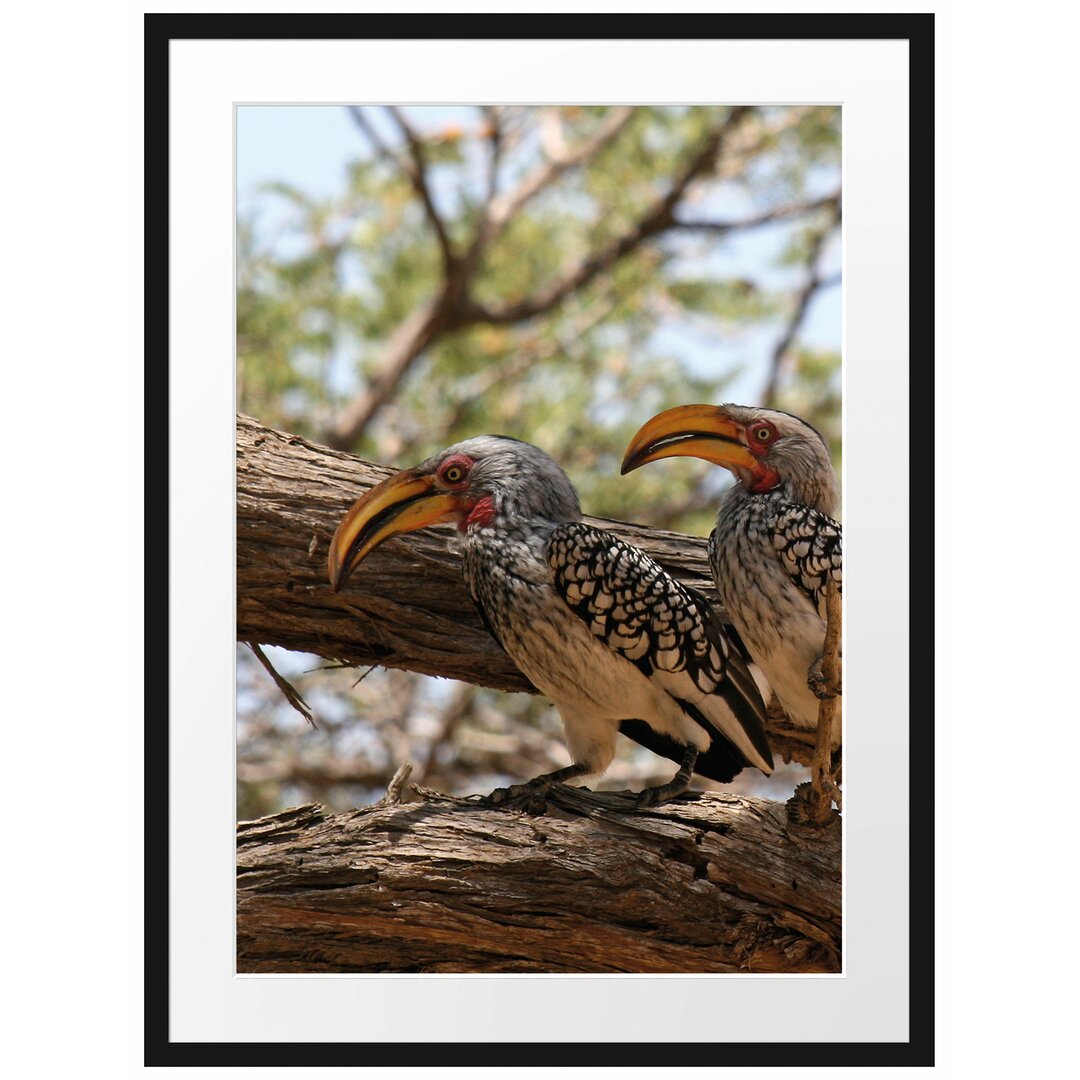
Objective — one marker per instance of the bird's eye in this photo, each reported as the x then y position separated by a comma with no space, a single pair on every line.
762,433
454,471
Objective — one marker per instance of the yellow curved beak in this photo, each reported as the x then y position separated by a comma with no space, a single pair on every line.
404,502
702,431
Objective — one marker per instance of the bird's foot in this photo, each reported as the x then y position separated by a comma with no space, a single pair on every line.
675,787
531,796
502,795
516,795
653,796
820,687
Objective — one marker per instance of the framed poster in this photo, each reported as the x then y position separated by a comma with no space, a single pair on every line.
200,71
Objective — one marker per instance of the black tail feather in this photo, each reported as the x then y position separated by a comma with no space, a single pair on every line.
722,761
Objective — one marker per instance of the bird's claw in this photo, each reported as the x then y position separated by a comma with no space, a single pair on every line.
532,798
497,797
628,800
819,686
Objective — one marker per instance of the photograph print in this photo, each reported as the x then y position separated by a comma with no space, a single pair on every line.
539,564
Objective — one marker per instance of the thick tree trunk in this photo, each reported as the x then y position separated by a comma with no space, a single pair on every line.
408,608
711,883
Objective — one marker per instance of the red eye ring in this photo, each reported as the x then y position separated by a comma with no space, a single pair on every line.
760,433
454,472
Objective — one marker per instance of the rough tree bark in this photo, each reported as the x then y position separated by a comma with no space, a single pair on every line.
710,882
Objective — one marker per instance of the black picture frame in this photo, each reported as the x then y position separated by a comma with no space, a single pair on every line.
159,30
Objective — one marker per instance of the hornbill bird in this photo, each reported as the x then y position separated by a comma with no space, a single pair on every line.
594,623
775,545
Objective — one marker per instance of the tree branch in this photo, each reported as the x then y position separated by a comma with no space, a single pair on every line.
494,132
452,308
814,283
563,342
778,213
659,217
416,170
503,208
290,693
360,119
710,883
828,730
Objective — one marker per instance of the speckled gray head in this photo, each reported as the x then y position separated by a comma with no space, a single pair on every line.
520,478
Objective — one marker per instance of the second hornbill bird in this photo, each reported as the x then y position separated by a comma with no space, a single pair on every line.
775,546
599,627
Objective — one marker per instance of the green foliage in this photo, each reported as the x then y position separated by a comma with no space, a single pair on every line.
319,297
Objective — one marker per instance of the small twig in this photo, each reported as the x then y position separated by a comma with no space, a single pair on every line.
292,695
811,287
396,785
417,172
500,210
830,655
427,794
495,150
767,217
359,117
343,666
362,676
824,786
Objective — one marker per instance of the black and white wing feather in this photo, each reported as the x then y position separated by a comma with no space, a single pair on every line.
674,637
810,547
